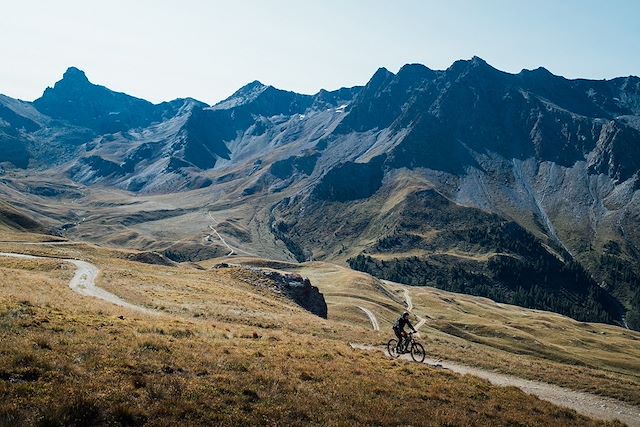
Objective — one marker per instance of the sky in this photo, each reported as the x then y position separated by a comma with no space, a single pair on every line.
164,49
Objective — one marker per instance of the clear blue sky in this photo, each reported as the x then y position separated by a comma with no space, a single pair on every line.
162,49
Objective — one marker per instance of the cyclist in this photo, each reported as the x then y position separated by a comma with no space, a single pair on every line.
398,329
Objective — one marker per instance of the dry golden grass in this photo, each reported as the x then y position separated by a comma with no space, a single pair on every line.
224,350
534,344
10,235
531,344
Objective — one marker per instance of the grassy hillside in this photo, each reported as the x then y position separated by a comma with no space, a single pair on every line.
13,219
222,350
413,234
532,344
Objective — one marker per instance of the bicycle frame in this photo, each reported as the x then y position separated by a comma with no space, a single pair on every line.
407,341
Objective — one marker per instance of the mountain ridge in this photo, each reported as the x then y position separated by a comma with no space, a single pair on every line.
558,157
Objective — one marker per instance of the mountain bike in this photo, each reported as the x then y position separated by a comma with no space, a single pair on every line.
409,345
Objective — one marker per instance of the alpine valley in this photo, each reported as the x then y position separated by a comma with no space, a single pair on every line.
524,188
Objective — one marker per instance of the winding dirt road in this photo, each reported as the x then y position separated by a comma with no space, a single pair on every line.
408,300
232,250
599,407
83,282
409,303
208,238
372,318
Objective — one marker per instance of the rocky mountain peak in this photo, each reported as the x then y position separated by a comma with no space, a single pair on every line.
381,76
73,81
540,71
415,71
78,101
74,74
475,66
242,96
265,100
476,60
256,84
254,88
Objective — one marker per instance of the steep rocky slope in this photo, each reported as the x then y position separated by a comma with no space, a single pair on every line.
532,148
522,187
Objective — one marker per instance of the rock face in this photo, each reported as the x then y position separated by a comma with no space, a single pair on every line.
522,187
300,290
533,148
151,258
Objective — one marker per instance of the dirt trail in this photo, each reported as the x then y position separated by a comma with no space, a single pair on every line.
84,282
421,322
599,407
224,242
372,318
232,250
408,300
409,303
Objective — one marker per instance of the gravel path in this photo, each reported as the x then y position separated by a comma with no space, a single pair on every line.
409,303
372,318
408,300
84,282
232,250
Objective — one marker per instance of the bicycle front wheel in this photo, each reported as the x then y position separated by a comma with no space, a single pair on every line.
417,352
392,348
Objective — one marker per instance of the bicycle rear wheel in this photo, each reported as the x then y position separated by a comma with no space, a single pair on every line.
392,348
417,352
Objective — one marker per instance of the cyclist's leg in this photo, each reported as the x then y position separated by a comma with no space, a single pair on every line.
399,336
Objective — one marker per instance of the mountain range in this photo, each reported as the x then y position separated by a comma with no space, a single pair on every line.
519,187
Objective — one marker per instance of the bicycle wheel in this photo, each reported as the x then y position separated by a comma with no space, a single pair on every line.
392,348
417,352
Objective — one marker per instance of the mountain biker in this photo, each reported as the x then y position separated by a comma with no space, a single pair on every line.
398,328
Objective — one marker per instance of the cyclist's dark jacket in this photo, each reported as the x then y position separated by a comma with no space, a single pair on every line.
401,323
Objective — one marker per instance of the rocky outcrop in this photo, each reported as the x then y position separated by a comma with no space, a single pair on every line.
298,289
154,258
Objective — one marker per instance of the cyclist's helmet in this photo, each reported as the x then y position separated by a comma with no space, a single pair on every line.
405,314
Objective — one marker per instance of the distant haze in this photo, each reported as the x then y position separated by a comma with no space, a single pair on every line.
161,49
